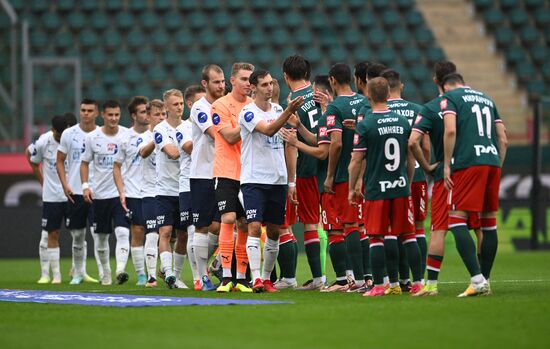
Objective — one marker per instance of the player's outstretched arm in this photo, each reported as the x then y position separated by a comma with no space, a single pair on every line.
272,128
309,137
502,141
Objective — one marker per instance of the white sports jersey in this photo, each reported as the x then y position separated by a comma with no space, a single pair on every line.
148,168
168,171
44,151
72,145
202,161
103,149
262,157
185,159
132,163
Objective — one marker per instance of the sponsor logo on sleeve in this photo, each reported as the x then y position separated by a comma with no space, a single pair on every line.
418,118
443,104
331,120
202,117
355,139
248,116
158,138
215,119
323,131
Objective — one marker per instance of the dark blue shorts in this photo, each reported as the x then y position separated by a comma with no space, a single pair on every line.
168,211
227,197
185,209
78,213
136,215
52,215
108,213
203,204
149,210
264,203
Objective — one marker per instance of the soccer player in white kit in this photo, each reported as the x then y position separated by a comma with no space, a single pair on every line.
130,181
167,135
206,216
157,114
54,201
264,178
102,146
70,150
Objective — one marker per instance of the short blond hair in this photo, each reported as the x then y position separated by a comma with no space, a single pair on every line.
155,103
172,92
237,67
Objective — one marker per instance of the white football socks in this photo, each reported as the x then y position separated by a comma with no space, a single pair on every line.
271,250
166,263
96,253
151,253
254,256
122,248
201,244
102,248
79,236
53,257
138,258
179,260
191,251
43,254
213,242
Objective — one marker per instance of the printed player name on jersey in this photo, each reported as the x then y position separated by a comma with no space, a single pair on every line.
409,113
384,130
308,105
477,99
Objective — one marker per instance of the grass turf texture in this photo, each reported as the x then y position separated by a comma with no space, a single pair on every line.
517,314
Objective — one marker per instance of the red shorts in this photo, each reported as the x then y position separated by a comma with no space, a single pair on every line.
474,222
290,215
328,213
440,207
475,189
419,194
307,194
346,213
390,217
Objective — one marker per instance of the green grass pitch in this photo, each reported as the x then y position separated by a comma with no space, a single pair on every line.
516,315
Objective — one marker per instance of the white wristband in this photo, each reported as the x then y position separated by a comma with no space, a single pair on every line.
85,186
292,184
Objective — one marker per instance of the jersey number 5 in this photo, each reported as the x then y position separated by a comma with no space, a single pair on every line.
312,122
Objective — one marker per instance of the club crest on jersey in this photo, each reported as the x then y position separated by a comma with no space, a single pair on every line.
179,136
331,120
323,131
215,119
202,117
139,141
443,104
112,147
355,139
158,138
248,116
418,118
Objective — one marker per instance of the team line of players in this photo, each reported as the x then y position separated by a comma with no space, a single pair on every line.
242,165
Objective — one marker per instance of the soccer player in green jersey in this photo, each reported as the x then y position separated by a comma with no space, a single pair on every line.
304,190
383,136
345,227
475,138
419,187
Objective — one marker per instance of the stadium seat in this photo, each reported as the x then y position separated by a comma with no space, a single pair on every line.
401,36
352,38
307,6
423,36
379,5
164,5
317,20
366,20
292,20
259,39
529,36
483,4
18,5
313,54
282,5
172,20
207,38
148,20
428,90
135,39
63,40
260,5
337,54
545,70
547,35
76,21
88,38
525,72
51,21
183,38
124,21
508,5
133,75
279,37
542,18
233,5
217,55
493,18
404,5
88,74
327,38
414,18
120,91
114,5
376,37
99,21
362,53
390,18
194,57
159,38
97,58
387,55
112,39
265,56
540,54
61,75
514,54
503,37
245,20
340,19
419,72
122,58
534,4
38,39
157,75
243,54
89,6
536,89
270,19
220,20
145,58
232,37
182,73
40,6
303,37
196,19
169,57
137,5
97,92
518,17
65,6
111,76
357,5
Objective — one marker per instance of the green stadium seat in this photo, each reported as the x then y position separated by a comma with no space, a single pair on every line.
124,21
246,20
508,5
89,6
428,89
331,5
424,36
545,70
18,5
352,38
307,6
414,18
303,37
514,54
38,39
292,20
529,36
210,5
112,39
279,37
157,75
87,74
233,37
313,54
243,54
317,20
542,18
340,19
547,35
99,21
88,38
148,20
65,6
404,5
525,72
62,75
133,75
122,58
287,51
182,73
217,55
357,5
259,38
503,37
379,5
265,56
169,57
536,89
172,20
434,54
120,91
337,54
391,18
411,93
518,17
137,5
493,18
114,5
540,54
183,38
419,72
282,5
366,20
51,21
207,38
159,38
362,53
197,20
483,4
270,19
97,92
387,55
376,37
401,36
144,90
97,58
63,40
76,21
260,5
145,57
220,20
164,5
40,5
327,38
233,5
135,39
194,57
534,4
